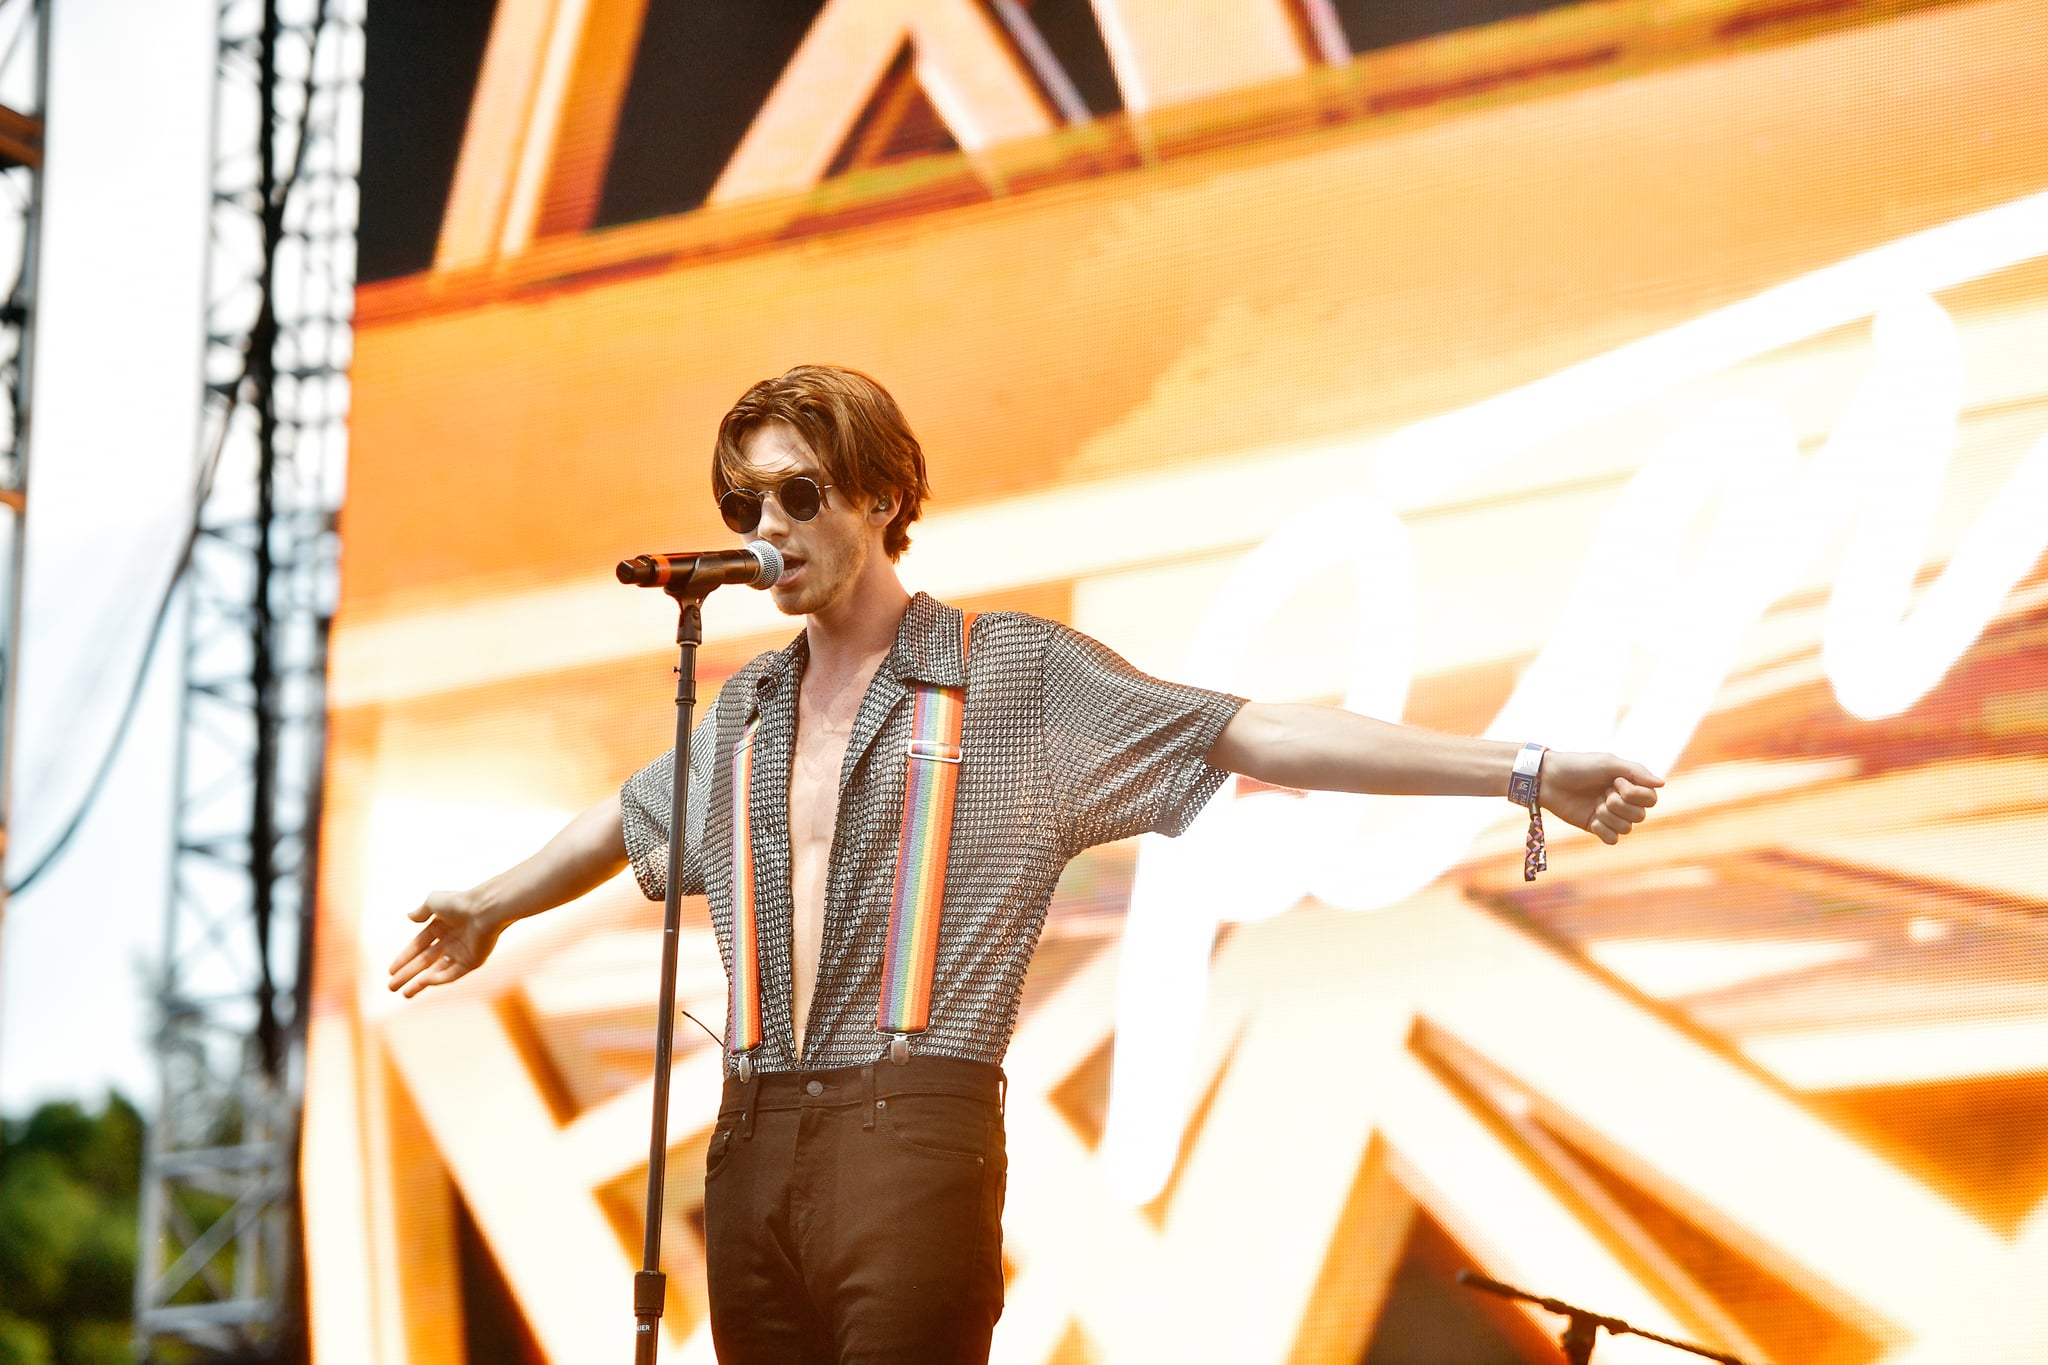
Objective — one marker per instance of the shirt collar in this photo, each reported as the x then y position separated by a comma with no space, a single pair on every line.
927,650
784,664
928,645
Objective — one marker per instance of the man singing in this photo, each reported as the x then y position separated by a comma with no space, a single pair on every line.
892,754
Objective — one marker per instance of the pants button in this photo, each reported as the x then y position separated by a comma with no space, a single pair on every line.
815,1088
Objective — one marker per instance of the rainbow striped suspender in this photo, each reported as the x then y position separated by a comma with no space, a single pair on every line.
931,779
743,989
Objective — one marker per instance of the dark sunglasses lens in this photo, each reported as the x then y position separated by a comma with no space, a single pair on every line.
741,508
800,497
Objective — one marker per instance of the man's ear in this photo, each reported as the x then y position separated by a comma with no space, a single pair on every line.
882,508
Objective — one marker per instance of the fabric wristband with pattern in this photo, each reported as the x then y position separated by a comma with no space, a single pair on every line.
1524,789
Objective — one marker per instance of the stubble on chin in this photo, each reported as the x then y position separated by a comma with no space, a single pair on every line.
791,603
828,579
804,600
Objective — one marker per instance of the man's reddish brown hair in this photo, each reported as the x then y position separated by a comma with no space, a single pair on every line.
854,428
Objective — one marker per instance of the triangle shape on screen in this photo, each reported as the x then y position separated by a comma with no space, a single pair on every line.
898,123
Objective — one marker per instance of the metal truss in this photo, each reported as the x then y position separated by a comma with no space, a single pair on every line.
219,1268
24,60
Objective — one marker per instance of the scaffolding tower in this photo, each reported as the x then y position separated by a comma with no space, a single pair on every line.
24,60
219,1269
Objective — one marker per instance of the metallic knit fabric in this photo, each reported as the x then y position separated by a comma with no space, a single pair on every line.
1065,746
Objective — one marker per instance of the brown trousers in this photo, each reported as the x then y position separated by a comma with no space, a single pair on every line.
854,1216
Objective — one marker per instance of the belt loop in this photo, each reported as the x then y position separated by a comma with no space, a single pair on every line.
1002,1093
751,1089
867,1074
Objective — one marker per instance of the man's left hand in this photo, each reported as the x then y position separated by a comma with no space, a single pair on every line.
1599,793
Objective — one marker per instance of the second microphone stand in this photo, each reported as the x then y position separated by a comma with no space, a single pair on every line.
650,1285
1584,1325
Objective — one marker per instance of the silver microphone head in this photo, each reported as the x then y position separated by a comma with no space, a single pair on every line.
771,563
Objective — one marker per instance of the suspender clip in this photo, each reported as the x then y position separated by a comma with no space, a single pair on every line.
746,1068
899,1049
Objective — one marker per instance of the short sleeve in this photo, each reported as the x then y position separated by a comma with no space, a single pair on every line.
644,804
1128,752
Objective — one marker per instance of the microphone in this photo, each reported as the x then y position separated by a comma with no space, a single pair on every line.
693,575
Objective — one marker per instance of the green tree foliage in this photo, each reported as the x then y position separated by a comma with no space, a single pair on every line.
68,1186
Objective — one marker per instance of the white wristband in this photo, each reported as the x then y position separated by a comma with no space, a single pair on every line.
1522,784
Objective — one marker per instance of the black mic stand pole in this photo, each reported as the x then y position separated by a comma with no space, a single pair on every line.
650,1285
1584,1326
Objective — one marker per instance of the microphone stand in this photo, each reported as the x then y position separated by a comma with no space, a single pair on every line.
650,1285
1585,1325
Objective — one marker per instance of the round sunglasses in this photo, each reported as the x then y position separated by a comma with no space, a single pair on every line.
800,499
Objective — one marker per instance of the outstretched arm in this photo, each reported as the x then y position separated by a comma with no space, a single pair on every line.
1321,748
463,926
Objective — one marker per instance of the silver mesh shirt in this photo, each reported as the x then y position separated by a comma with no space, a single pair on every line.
1064,746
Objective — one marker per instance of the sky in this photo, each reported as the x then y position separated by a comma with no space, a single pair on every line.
112,451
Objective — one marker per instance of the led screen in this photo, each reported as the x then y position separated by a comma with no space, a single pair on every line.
1664,379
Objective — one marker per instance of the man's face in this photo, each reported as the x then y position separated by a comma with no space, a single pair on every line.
822,557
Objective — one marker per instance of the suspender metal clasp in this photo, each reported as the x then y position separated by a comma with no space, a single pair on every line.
746,1068
899,1049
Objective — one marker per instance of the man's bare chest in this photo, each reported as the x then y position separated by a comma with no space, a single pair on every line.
814,781
825,722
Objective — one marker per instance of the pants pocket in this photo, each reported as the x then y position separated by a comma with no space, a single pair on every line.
719,1150
941,1174
946,1126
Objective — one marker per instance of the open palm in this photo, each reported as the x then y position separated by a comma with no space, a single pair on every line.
457,938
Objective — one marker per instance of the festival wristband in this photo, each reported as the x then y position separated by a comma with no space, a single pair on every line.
1524,789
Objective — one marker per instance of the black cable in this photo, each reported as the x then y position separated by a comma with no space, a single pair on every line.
702,1025
135,690
201,493
35,16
